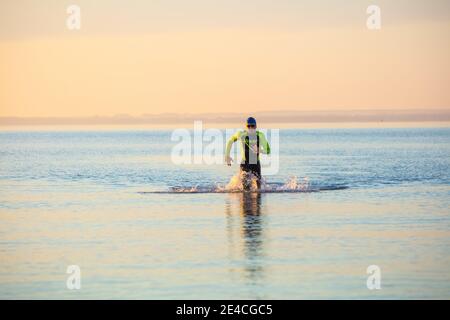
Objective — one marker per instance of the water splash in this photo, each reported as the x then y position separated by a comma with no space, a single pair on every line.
294,184
240,182
247,182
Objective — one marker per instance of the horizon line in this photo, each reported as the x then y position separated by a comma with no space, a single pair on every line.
285,116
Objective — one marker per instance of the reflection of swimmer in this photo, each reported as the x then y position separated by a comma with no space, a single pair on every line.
251,230
251,226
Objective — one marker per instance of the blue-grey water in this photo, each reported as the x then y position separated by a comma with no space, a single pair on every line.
91,198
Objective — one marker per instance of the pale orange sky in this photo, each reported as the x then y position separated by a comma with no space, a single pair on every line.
228,64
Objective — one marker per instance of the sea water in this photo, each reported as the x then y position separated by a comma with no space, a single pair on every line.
106,201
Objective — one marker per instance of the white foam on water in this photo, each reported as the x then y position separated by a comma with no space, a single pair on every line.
238,182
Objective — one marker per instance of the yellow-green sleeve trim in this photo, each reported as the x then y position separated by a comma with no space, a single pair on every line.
263,143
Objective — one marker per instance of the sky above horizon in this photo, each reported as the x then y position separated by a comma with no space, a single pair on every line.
146,57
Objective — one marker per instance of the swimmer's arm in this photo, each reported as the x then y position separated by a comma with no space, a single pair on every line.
230,142
264,144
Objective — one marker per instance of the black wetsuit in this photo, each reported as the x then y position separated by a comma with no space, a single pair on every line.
251,163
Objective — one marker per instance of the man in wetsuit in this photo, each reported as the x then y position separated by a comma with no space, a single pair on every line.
253,142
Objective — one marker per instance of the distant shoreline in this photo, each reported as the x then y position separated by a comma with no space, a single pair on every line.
235,125
281,117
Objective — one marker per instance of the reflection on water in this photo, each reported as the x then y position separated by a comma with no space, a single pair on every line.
245,227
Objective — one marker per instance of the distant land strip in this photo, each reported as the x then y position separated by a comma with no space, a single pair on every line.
262,116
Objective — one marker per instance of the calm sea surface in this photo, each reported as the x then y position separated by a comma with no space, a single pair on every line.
91,198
